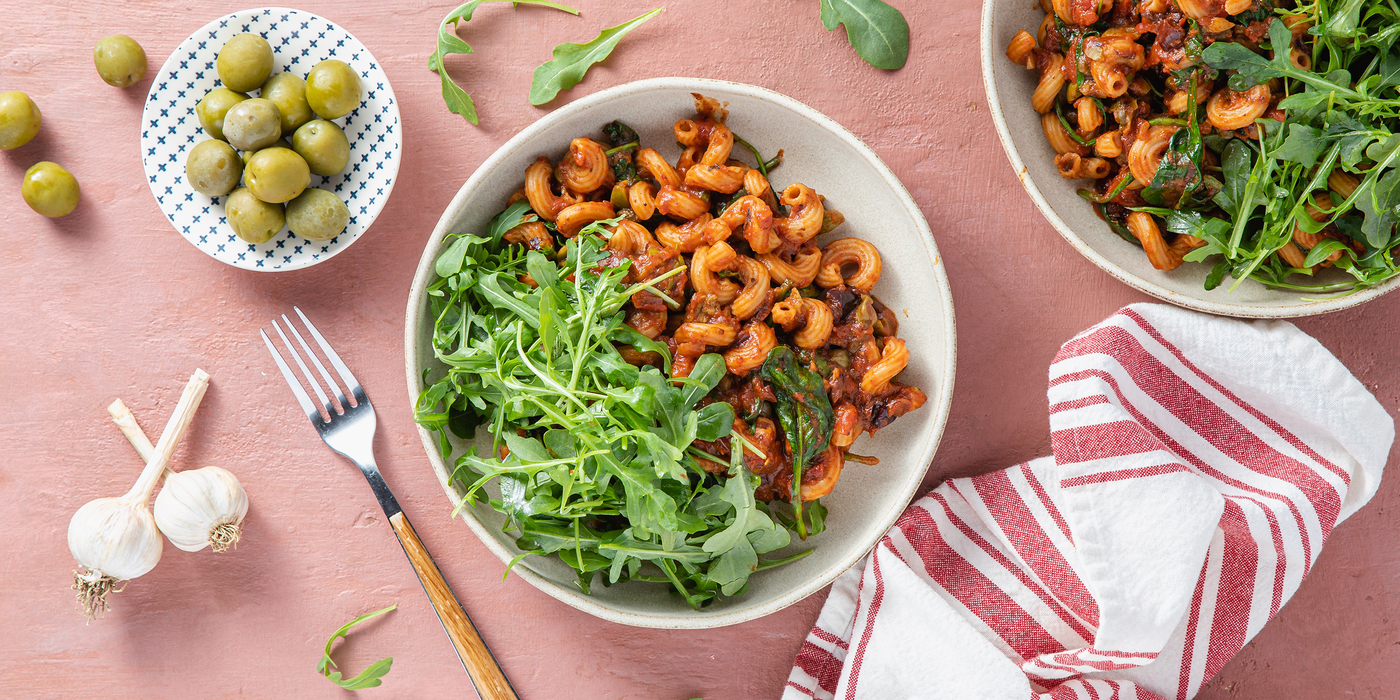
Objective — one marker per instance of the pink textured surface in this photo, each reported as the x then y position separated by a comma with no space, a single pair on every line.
112,302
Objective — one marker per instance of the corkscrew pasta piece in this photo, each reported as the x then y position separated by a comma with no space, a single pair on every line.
849,251
1307,240
716,334
649,323
805,220
1057,136
1146,153
719,146
1072,167
847,424
750,348
1109,145
1052,81
1210,13
1144,228
1111,59
1343,183
894,357
1228,109
1292,255
686,238
756,185
541,195
1021,49
1088,115
533,235
832,459
716,178
800,271
756,291
813,316
641,197
630,237
649,162
703,278
688,133
680,204
575,216
756,218
585,168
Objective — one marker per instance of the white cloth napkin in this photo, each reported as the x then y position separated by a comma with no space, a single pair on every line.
1199,465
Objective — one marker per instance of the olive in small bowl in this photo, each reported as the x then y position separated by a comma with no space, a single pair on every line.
213,109
332,89
252,124
317,215
323,145
252,219
276,174
50,189
245,62
19,120
213,168
120,60
288,92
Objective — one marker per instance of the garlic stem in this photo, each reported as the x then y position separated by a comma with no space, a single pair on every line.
174,429
121,415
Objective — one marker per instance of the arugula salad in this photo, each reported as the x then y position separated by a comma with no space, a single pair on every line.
669,370
1261,137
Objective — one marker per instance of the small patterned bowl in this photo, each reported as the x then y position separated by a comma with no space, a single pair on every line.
169,128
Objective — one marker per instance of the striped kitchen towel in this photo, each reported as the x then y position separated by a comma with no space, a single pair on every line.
1199,465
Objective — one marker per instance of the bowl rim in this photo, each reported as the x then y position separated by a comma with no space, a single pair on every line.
1303,308
886,519
395,157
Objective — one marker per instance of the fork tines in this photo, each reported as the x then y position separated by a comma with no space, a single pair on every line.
327,410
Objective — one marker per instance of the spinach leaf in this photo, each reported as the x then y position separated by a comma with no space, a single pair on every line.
876,31
571,61
368,678
457,99
620,134
804,413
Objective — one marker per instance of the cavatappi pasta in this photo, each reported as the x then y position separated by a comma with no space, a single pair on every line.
1173,107
754,275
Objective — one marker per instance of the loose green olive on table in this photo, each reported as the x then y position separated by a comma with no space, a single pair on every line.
252,219
120,60
50,189
317,215
253,124
324,147
245,62
214,108
276,175
19,120
332,89
213,168
288,92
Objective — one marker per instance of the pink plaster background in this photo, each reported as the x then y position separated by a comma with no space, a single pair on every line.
112,302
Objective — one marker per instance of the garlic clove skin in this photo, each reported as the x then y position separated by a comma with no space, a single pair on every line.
114,538
201,507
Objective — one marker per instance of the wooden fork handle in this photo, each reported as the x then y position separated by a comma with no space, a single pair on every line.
486,674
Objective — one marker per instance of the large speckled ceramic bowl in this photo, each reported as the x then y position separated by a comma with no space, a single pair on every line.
824,155
1009,89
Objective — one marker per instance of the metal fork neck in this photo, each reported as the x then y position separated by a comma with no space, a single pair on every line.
381,489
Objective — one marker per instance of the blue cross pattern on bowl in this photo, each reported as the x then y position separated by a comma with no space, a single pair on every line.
170,128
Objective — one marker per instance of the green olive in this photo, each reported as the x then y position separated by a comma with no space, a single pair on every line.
213,168
213,109
19,120
288,92
277,174
317,215
252,219
324,147
120,60
245,62
253,124
332,89
49,189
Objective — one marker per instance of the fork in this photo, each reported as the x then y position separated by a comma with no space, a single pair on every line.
350,432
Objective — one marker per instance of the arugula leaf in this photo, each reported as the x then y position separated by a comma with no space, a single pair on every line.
572,61
1380,203
457,99
1303,145
876,31
368,678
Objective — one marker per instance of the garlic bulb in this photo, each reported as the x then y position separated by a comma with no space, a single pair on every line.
115,539
201,508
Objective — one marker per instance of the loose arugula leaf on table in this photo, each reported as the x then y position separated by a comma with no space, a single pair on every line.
572,61
368,678
876,31
457,99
